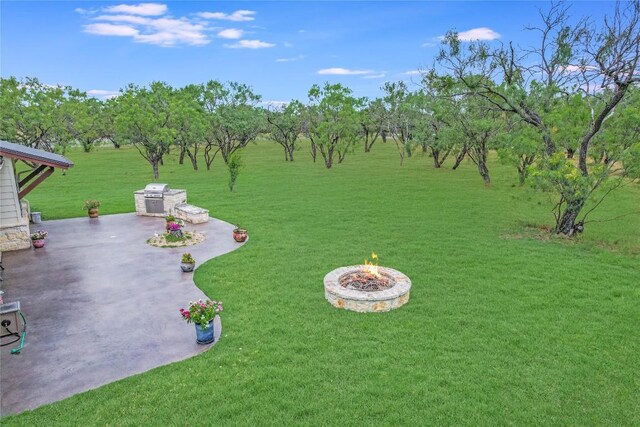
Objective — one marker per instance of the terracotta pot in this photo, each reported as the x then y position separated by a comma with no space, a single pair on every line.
38,243
93,213
240,235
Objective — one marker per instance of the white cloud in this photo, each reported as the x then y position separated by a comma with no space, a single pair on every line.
295,58
412,73
594,88
160,31
374,76
429,44
145,9
103,94
276,104
80,10
343,72
249,44
145,23
124,18
231,33
481,33
103,29
237,16
170,32
578,68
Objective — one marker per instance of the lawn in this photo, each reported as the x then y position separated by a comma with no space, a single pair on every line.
504,325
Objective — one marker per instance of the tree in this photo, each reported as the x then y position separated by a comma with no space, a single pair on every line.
435,123
111,110
234,165
231,118
439,96
592,66
144,119
372,122
32,113
189,122
332,121
285,125
614,162
479,127
519,145
401,116
432,115
473,125
86,120
619,141
307,118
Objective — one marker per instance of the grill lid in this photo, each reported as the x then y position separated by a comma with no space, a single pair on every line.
155,190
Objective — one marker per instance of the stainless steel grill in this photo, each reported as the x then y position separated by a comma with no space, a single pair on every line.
154,197
155,191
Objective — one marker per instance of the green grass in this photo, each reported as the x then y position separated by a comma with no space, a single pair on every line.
500,329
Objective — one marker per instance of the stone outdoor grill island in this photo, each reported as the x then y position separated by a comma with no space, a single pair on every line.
363,289
159,200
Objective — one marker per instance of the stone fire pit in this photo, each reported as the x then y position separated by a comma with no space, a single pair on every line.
348,288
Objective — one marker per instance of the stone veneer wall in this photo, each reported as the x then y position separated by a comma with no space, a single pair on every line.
171,199
18,236
192,214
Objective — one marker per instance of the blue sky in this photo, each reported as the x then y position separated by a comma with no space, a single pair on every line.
278,48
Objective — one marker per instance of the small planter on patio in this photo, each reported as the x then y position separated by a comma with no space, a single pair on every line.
37,238
204,335
174,230
188,263
202,313
91,206
169,219
239,234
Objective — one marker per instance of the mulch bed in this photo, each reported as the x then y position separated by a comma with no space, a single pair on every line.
190,238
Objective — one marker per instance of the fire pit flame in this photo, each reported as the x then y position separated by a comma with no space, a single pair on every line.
370,267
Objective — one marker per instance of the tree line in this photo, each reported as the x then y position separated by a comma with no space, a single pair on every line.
564,113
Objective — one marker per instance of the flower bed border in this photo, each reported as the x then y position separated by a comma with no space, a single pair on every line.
159,240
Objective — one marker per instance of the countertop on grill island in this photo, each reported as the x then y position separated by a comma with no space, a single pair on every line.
171,192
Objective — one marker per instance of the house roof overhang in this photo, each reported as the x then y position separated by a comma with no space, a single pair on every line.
46,163
34,155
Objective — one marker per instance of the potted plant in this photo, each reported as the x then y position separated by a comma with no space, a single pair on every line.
38,237
202,313
239,234
169,219
91,206
188,263
174,228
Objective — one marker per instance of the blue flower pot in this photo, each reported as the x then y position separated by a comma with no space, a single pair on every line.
204,335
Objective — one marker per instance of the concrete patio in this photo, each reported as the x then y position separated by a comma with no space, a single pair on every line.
101,305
